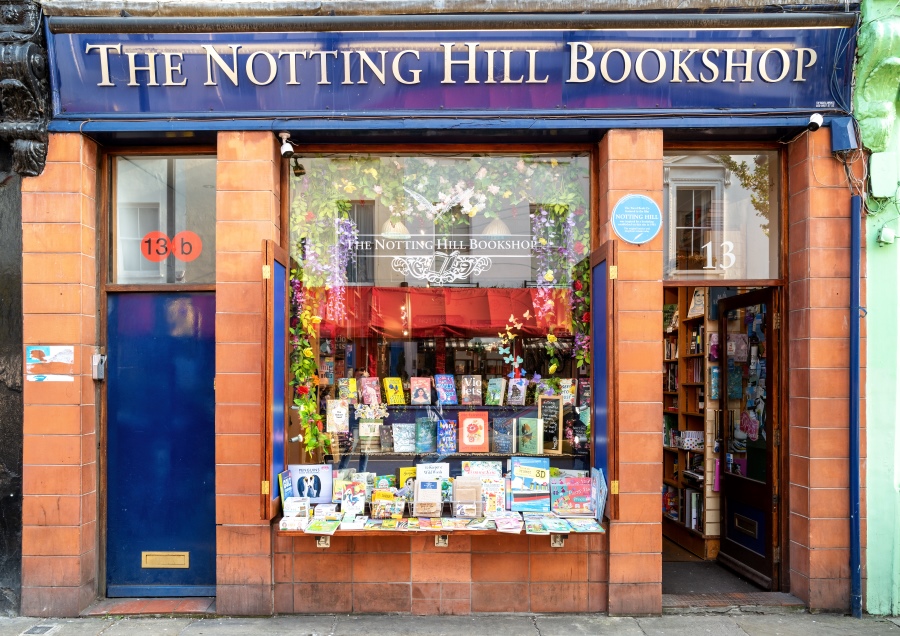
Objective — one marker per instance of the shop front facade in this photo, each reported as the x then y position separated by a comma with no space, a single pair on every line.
551,224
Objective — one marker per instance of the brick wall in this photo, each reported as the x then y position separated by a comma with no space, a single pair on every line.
248,210
631,162
59,534
819,378
408,574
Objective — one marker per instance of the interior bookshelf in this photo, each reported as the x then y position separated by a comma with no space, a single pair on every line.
690,506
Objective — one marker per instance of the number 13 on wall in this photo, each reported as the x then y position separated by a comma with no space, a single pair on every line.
728,256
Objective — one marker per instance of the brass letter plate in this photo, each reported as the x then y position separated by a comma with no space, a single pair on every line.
174,560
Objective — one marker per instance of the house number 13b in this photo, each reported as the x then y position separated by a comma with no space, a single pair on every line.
728,257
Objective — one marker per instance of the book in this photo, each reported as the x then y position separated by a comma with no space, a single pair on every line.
530,436
510,522
370,390
535,526
296,507
327,511
496,391
347,389
599,491
446,389
482,523
404,437
585,525
386,432
556,526
482,469
467,497
353,497
584,391
407,475
516,393
428,501
285,485
426,435
473,432
323,526
386,481
313,481
434,470
353,522
337,416
571,496
369,433
420,391
393,391
470,386
493,496
446,437
503,435
567,390
530,484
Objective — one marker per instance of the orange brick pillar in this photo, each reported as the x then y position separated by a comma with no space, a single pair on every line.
631,162
59,526
248,210
819,379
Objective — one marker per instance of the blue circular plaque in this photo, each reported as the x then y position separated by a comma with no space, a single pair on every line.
636,219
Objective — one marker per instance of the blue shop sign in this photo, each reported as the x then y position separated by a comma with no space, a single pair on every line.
636,219
551,73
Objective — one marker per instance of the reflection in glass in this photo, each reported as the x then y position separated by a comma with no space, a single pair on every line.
722,216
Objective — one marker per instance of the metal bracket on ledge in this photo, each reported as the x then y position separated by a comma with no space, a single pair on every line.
442,540
558,540
323,541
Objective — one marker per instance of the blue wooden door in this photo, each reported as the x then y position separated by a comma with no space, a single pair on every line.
161,533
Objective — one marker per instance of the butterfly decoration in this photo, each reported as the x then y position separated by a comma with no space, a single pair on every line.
504,351
527,314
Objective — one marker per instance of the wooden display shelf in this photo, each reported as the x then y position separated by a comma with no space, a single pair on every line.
671,482
391,454
692,355
693,413
670,392
693,384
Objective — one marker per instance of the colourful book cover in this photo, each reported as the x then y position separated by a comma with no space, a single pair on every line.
404,437
493,496
584,391
393,391
387,437
446,437
496,391
530,484
420,391
503,435
530,438
470,387
370,390
337,416
571,496
407,476
347,389
516,394
477,468
323,526
385,481
426,435
567,390
473,432
446,389
313,481
285,485
353,498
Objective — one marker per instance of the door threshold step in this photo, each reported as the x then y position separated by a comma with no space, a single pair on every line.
732,602
195,606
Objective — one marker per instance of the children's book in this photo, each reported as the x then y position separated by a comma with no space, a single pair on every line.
530,484
503,435
323,526
585,525
556,526
326,511
353,522
446,389
567,390
433,470
516,394
347,389
426,435
407,476
412,523
584,391
509,524
337,416
482,523
570,496
373,524
371,392
530,436
482,469
493,496
473,432
420,391
471,390
467,497
285,485
353,498
393,391
386,481
386,432
535,526
313,481
496,391
428,498
404,437
446,437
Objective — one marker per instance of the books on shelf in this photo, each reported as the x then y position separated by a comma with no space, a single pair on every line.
473,432
404,434
446,437
347,389
571,496
470,389
473,468
393,391
337,416
420,391
567,391
353,497
496,392
530,437
323,526
285,485
428,501
530,487
517,389
503,435
584,391
445,385
426,435
370,390
312,480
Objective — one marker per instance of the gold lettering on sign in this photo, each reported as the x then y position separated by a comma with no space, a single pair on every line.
292,64
449,62
213,56
104,59
395,68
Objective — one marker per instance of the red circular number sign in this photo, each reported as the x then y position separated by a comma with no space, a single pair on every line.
155,246
186,246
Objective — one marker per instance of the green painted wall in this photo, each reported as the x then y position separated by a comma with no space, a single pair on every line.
876,106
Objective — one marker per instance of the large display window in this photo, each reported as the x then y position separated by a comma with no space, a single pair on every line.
440,316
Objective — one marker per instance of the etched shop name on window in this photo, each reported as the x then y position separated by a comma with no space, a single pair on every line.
458,62
387,244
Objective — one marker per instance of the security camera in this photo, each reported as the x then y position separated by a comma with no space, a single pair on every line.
287,149
815,122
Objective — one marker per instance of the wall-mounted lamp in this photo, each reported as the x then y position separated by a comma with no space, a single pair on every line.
297,167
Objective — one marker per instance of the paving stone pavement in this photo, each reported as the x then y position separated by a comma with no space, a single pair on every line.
736,624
